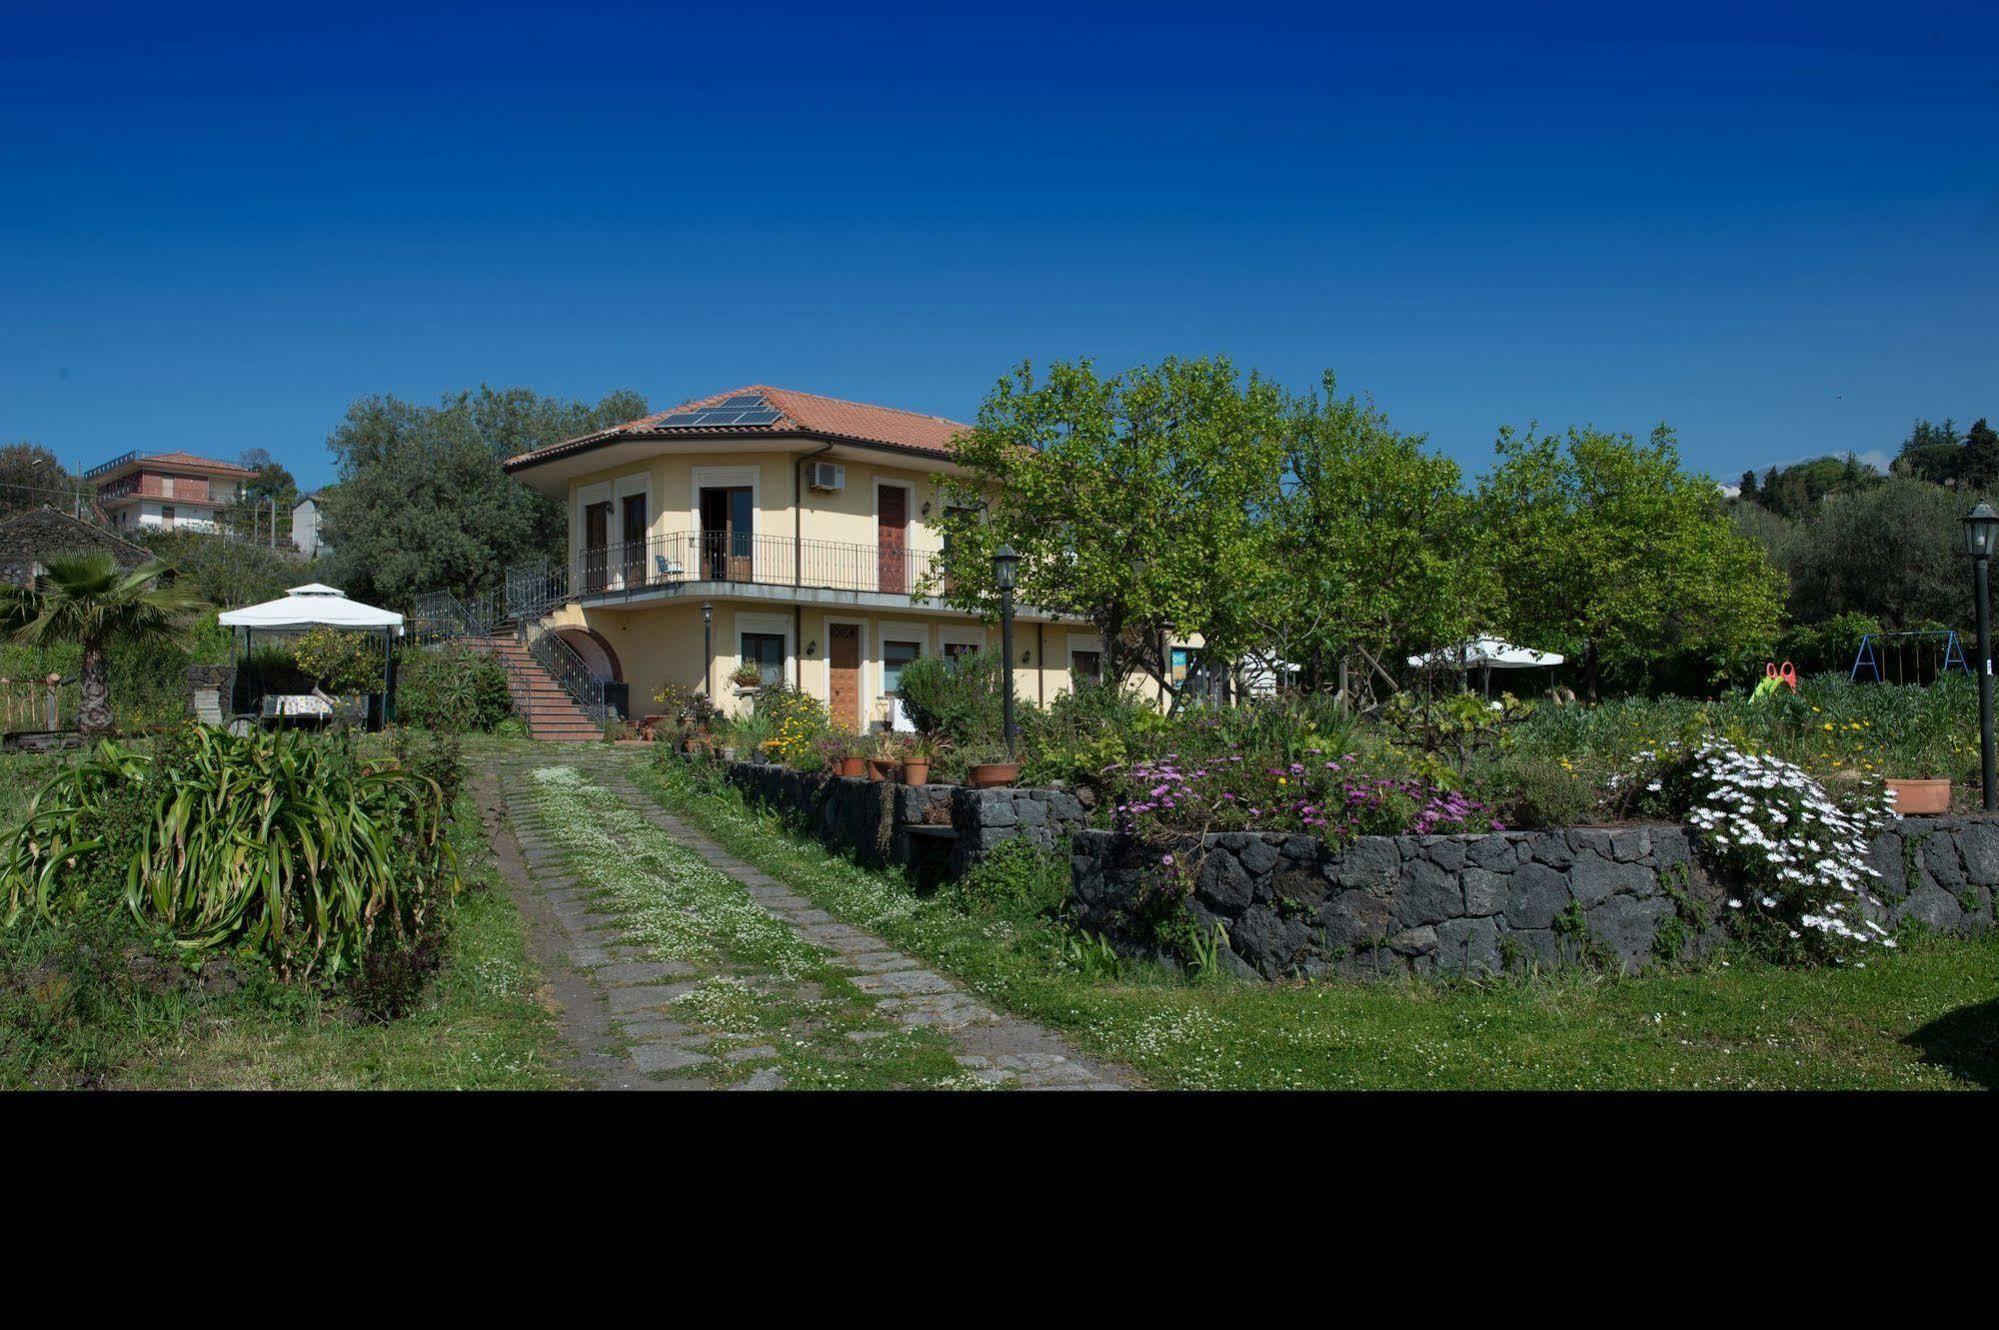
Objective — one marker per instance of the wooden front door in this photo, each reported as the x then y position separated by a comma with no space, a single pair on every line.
727,534
596,536
891,539
843,662
634,549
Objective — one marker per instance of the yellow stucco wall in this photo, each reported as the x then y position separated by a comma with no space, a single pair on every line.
658,644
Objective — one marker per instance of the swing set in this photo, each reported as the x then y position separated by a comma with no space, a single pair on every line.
1913,656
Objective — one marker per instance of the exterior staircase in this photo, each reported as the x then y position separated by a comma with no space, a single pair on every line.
542,702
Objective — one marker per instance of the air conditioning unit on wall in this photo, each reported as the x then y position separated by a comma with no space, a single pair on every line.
830,476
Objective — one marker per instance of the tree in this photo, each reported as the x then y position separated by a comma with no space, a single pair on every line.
1894,553
260,499
1368,547
1748,488
1606,550
31,475
86,599
422,503
1978,462
1133,502
1931,452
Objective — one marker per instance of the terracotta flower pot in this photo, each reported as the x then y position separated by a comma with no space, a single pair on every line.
1919,797
881,769
915,772
989,775
852,766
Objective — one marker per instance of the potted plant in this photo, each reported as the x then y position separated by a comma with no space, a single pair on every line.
918,754
999,768
1920,797
843,754
884,757
747,678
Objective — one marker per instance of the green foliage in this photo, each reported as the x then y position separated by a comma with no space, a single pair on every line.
958,699
422,503
1608,552
1894,554
1368,543
1793,491
342,662
228,574
88,601
31,476
1132,501
451,688
278,845
1456,726
1013,881
795,721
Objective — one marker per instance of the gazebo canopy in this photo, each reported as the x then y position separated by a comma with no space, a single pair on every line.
1487,653
314,605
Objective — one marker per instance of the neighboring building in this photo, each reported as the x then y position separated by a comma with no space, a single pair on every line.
28,541
165,491
804,522
305,528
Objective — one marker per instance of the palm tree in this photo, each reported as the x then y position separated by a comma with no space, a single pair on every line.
88,600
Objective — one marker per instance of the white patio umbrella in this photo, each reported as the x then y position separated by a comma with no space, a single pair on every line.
1486,654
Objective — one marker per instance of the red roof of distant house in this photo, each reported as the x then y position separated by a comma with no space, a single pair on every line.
794,413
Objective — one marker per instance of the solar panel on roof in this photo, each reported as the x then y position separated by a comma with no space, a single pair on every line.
742,409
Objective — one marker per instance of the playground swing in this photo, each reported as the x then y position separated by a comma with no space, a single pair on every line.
1889,657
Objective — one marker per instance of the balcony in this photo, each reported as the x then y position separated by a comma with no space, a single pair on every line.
665,563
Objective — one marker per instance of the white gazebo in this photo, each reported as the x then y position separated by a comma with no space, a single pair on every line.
1486,654
316,605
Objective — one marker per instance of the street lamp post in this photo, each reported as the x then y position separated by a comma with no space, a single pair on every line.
708,648
1981,532
1005,565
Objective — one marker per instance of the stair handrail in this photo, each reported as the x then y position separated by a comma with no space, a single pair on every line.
566,667
440,616
533,589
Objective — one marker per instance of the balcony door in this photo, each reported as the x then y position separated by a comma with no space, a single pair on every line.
633,533
728,528
596,537
892,539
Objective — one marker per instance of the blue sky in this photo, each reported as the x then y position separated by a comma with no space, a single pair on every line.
1777,230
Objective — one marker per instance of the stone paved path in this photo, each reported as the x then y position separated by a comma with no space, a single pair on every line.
618,1004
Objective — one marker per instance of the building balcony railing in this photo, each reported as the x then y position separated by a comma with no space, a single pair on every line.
170,488
667,561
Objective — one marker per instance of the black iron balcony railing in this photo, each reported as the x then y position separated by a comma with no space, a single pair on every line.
731,556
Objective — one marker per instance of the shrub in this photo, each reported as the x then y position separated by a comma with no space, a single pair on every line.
1544,792
1798,858
1336,799
1013,881
452,688
797,721
958,699
342,662
282,845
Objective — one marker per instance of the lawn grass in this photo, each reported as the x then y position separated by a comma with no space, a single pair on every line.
1922,1018
480,1025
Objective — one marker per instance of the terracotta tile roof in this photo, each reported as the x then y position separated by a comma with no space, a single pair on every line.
797,412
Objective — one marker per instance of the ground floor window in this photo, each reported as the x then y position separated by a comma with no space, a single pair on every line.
1086,667
953,650
895,655
766,652
167,515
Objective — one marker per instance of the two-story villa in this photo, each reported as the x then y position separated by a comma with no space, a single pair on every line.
770,528
166,491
